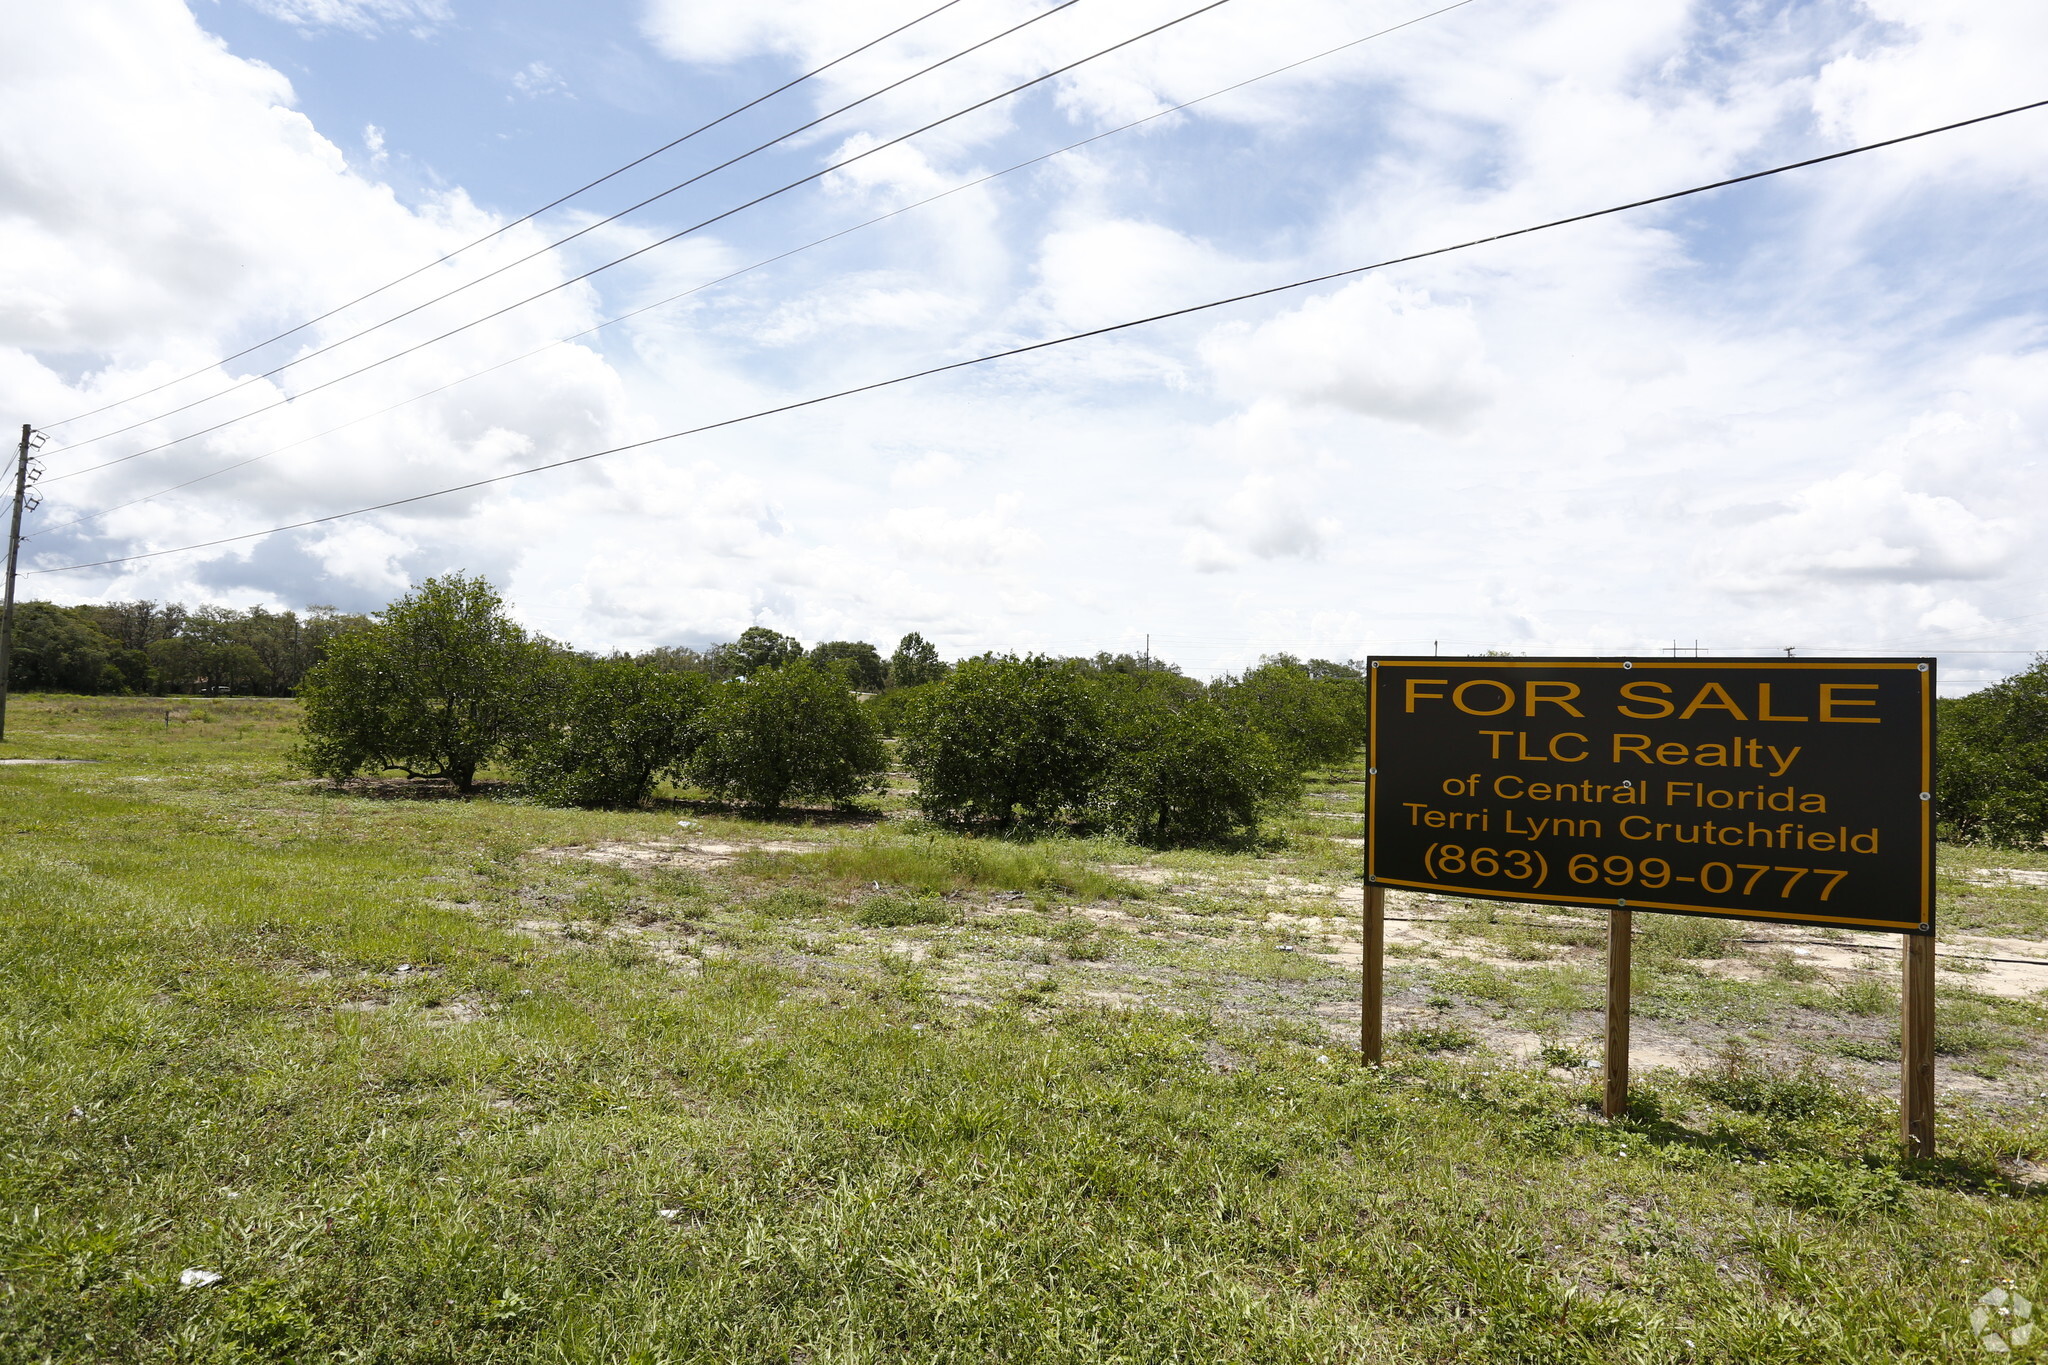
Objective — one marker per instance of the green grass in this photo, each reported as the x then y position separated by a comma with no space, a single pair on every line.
940,863
418,1092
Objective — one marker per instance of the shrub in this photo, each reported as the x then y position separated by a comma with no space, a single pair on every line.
786,733
1004,737
1311,721
439,684
1182,770
892,708
1991,780
614,726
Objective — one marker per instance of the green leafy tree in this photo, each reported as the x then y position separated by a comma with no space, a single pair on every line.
1105,662
176,663
680,659
915,662
439,684
891,709
238,668
137,625
1184,771
284,644
55,651
788,733
859,661
1310,721
612,727
1004,738
1991,780
151,646
757,651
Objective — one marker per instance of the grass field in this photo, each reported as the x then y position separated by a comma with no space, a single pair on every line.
470,1081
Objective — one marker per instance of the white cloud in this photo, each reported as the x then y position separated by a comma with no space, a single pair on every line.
359,16
1865,525
929,470
1371,347
1116,269
948,537
538,80
211,214
1800,411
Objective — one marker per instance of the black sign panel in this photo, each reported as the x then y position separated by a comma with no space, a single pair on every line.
1797,790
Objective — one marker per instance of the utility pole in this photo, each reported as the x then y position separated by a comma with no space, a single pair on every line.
13,559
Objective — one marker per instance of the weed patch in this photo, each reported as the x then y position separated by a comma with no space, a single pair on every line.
1841,1190
898,912
1747,1084
1686,936
1436,1038
939,864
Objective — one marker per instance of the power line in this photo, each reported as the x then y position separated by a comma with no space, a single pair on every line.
524,218
598,270
1028,349
733,275
580,232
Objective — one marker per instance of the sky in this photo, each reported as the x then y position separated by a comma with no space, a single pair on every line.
1805,413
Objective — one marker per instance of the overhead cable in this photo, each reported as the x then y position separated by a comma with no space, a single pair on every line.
641,251
722,279
588,228
523,218
1035,346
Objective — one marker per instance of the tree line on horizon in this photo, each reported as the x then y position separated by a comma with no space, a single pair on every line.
155,648
442,683
619,723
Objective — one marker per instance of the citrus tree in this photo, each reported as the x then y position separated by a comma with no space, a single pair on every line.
1181,770
998,739
439,683
1310,721
788,733
1991,781
610,729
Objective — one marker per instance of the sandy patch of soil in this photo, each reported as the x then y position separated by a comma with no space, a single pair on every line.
2011,967
454,1012
2006,876
700,855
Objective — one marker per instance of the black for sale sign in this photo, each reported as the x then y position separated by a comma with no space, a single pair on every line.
1798,790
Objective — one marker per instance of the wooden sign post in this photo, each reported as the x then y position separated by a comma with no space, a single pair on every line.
1793,791
1614,1074
1916,1049
1373,1013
